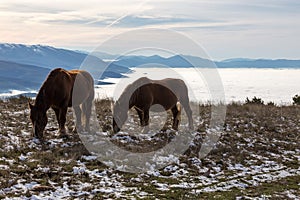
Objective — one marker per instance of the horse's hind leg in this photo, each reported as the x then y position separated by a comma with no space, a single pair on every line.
61,122
176,110
188,111
87,111
78,125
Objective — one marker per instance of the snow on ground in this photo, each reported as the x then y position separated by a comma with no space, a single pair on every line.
256,157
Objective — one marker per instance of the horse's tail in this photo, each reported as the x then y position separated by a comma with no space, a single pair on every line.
183,97
178,106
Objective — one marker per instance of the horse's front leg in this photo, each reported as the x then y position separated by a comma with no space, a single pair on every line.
56,110
78,124
61,130
189,112
146,118
87,111
62,121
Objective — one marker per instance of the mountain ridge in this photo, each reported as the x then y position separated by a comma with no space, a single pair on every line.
51,57
16,76
24,67
186,61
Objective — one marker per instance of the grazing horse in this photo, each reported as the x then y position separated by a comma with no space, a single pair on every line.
57,93
144,92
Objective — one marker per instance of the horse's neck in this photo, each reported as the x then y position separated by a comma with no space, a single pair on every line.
41,101
133,98
131,103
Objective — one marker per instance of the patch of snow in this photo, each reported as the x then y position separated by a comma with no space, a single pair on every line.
22,157
89,158
162,186
43,169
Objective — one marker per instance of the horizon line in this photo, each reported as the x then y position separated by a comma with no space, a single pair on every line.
85,51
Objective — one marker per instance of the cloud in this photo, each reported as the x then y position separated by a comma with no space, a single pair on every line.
214,27
126,21
64,23
142,20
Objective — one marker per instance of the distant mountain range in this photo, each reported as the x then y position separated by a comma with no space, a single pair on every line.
24,67
259,63
185,61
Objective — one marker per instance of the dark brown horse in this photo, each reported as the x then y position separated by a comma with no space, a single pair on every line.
57,93
144,92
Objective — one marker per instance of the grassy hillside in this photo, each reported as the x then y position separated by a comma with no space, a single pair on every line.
257,155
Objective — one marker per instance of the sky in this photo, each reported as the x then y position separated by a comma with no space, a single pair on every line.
223,28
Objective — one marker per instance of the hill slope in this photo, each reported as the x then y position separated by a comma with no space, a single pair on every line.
50,57
43,56
20,76
24,67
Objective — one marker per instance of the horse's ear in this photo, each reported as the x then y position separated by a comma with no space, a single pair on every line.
30,105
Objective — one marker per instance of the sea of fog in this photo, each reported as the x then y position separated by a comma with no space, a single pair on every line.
207,85
276,85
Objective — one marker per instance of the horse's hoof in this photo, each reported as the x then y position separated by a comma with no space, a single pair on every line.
163,130
62,133
74,130
63,136
37,140
146,130
191,128
78,129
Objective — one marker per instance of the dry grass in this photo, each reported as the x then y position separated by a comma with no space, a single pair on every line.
254,135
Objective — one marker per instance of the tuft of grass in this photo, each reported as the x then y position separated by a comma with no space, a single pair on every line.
296,100
254,100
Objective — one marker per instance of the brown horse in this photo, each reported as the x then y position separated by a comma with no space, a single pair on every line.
144,92
57,93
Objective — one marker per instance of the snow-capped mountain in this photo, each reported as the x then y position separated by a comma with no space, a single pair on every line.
50,57
42,56
24,67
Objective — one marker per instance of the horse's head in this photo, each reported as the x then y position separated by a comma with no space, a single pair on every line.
39,121
119,116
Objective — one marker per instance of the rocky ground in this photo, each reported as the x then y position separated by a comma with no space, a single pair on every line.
256,157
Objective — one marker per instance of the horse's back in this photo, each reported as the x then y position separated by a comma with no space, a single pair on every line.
177,86
171,83
71,87
162,95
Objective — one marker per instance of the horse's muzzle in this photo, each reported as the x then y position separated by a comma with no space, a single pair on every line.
115,127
